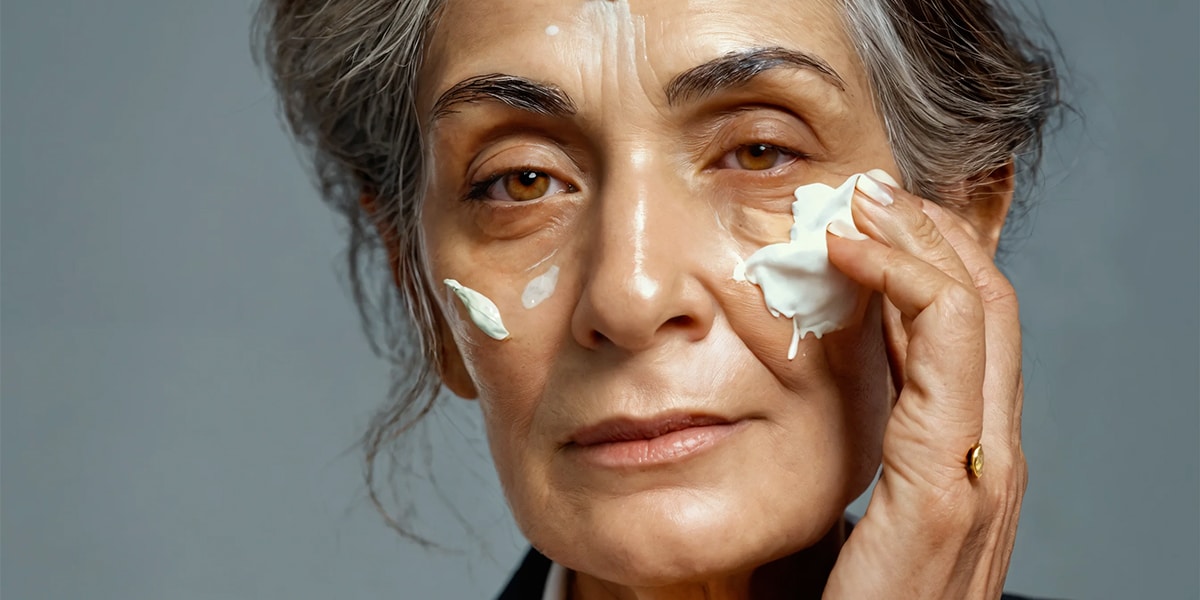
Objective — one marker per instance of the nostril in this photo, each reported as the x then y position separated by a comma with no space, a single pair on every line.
637,326
681,321
598,339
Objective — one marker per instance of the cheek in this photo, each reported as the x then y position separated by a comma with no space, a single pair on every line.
511,382
839,383
523,278
511,376
850,351
858,363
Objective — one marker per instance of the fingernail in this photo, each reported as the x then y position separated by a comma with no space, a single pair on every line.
842,230
881,175
874,190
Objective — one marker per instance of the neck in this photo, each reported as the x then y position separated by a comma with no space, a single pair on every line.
799,575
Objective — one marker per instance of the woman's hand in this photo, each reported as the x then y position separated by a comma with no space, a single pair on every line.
932,529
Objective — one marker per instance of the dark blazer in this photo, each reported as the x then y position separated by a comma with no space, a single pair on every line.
529,580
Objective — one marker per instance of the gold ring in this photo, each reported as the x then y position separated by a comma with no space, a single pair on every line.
975,460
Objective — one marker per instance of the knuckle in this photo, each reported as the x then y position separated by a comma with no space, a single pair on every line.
994,287
1010,478
1021,470
899,265
949,515
962,301
925,232
1007,491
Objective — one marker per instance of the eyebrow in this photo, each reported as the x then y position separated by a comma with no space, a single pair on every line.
738,68
517,92
728,71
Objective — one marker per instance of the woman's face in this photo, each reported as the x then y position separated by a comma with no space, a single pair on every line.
644,418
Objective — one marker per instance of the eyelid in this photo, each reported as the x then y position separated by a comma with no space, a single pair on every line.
794,156
747,125
517,155
480,189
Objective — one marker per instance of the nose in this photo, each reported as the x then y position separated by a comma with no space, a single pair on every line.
643,282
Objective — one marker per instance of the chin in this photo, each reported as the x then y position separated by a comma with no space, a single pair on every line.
676,535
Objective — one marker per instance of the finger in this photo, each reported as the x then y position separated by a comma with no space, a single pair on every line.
1002,328
941,399
949,245
901,224
895,217
895,329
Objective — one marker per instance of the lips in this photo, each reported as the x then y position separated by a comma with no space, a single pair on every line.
632,443
628,430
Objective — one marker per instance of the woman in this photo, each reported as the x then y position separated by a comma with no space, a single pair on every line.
564,192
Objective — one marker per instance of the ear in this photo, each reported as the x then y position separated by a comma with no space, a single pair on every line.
987,200
452,370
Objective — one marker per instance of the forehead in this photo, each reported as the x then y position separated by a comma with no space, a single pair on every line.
600,48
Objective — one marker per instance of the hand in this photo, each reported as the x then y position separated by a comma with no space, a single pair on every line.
932,530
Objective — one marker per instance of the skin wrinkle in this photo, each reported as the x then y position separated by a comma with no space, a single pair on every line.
624,34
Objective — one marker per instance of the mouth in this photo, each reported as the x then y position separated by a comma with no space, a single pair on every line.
629,443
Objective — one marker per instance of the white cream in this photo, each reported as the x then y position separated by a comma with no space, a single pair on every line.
552,30
540,288
483,311
543,261
797,280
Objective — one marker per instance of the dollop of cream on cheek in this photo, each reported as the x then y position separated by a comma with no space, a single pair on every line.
483,312
796,278
540,288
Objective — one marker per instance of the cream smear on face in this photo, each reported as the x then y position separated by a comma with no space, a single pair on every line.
483,311
797,280
540,288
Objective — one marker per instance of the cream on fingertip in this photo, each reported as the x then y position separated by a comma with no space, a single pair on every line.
845,231
873,190
883,176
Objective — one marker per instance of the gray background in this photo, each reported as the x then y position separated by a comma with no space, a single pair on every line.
183,376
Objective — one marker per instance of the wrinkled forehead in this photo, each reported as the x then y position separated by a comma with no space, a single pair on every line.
614,51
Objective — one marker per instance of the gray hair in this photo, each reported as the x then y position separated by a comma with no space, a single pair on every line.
962,91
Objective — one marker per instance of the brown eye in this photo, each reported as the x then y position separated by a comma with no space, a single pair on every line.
757,157
520,185
523,186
